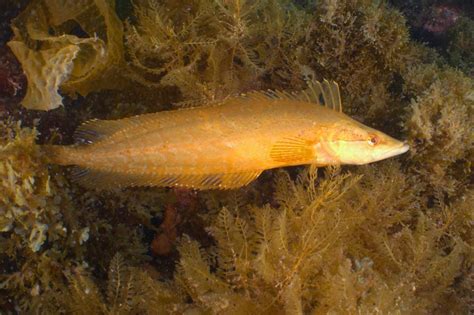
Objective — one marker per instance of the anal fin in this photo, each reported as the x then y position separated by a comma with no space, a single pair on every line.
107,179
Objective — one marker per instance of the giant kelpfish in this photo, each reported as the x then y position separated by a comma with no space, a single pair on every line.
223,145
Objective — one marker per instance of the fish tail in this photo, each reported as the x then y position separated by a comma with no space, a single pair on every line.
58,154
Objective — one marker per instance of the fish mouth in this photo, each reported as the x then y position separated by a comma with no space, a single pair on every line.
397,151
405,147
402,149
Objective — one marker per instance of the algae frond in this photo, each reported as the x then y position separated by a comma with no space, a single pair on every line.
392,237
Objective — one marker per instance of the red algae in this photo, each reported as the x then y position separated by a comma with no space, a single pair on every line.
441,17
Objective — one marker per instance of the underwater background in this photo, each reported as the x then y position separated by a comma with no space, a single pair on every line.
393,237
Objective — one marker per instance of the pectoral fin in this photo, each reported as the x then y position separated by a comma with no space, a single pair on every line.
292,150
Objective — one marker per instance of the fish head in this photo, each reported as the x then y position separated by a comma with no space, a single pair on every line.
355,143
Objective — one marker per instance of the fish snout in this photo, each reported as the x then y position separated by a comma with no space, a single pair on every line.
404,148
400,149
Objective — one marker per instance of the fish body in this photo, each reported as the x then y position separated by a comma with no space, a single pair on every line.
222,146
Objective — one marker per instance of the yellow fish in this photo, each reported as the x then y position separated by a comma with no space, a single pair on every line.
226,145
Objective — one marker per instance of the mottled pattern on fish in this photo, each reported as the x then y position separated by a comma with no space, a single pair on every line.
226,145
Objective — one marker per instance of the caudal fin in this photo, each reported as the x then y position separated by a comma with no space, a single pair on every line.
57,154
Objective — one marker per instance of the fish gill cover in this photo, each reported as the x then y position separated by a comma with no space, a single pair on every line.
392,237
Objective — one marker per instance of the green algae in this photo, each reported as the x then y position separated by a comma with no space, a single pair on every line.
392,237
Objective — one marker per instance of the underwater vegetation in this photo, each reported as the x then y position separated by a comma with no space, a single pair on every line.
53,57
444,24
46,225
460,49
390,237
441,117
344,243
210,49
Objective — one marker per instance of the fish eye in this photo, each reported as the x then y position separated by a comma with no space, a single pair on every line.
373,140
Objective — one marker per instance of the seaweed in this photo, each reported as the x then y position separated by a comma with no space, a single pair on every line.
439,126
364,46
213,49
341,243
334,242
461,46
73,45
38,222
393,237
48,229
128,290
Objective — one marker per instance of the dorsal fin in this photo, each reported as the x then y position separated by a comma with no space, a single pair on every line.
200,103
324,93
95,130
336,95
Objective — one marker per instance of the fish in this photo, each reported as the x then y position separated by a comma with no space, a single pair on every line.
225,145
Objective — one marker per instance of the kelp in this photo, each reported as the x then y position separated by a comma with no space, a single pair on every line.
75,46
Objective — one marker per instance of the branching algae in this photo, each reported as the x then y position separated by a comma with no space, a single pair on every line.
440,120
344,243
393,237
210,49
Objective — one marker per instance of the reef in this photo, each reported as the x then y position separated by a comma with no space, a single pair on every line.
391,237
